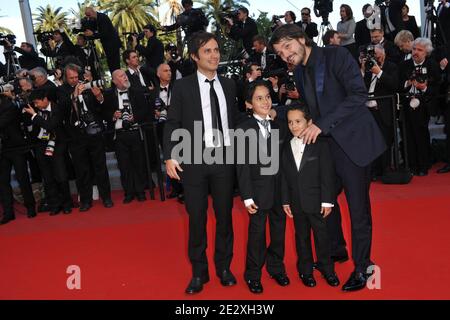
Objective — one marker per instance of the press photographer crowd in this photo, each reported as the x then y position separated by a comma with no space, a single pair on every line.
55,131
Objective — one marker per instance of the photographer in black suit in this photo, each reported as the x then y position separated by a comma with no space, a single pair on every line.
108,37
138,76
87,56
84,126
392,52
245,29
381,80
362,33
309,27
62,48
29,58
50,140
127,106
153,52
12,138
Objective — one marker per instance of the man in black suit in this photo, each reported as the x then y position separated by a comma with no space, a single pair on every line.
127,107
362,33
138,76
29,58
443,13
62,49
404,41
309,27
339,114
153,52
392,52
245,29
40,79
381,80
108,37
260,191
420,79
206,102
50,141
391,17
263,56
87,56
12,137
84,127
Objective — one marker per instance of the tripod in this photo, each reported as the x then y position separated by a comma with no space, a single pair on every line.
11,62
97,66
324,27
431,22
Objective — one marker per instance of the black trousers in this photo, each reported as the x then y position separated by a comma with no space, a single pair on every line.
19,162
131,161
257,251
418,138
303,223
447,130
34,168
355,182
54,175
89,160
112,57
383,162
197,180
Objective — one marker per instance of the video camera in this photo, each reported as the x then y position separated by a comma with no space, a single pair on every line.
86,24
7,37
228,12
130,35
323,8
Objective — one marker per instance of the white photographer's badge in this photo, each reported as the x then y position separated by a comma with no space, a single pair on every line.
414,103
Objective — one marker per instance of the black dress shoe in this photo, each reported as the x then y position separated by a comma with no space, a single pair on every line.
67,210
340,259
281,278
181,198
54,212
196,285
172,195
255,286
422,173
308,280
43,207
108,203
227,279
444,169
128,199
7,218
31,213
141,197
85,207
332,279
357,281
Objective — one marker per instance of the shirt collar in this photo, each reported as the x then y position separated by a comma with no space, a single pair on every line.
132,71
297,140
49,108
202,78
257,117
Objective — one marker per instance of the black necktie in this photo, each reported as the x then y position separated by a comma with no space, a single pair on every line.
215,109
162,89
122,92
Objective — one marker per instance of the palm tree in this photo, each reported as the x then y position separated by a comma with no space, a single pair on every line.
175,9
4,29
49,19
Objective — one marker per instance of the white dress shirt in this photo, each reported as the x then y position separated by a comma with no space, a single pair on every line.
206,110
141,79
121,97
43,133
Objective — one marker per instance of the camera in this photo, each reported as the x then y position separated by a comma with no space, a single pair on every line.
420,74
126,117
7,37
173,50
276,19
88,123
162,108
94,84
368,53
130,35
86,24
228,12
44,37
323,8
50,149
290,82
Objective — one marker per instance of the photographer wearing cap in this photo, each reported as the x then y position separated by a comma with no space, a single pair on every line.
419,80
84,126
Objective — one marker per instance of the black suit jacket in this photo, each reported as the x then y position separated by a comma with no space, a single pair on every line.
67,48
141,108
246,32
263,189
54,123
395,16
386,85
306,189
392,52
30,60
362,33
186,108
311,29
10,132
153,52
136,82
444,19
107,33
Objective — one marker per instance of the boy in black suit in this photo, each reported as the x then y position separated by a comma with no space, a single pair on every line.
259,192
307,191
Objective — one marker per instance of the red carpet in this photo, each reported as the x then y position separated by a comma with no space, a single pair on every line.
138,251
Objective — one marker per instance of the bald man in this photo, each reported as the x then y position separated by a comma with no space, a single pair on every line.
107,34
127,107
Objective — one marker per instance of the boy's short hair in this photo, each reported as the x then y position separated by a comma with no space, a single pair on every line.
252,87
300,106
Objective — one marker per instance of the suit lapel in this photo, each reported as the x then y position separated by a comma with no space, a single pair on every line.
230,102
196,100
306,154
319,73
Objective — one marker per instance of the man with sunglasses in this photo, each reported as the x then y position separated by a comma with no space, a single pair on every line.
309,27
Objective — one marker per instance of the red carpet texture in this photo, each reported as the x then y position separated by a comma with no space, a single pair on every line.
139,251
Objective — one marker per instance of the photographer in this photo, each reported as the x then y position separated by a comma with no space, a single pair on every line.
29,58
12,138
245,29
84,127
381,79
391,17
40,79
138,76
309,27
127,107
179,66
288,89
86,55
62,47
105,31
404,41
392,53
362,32
263,56
153,52
419,80
331,38
50,146
190,20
